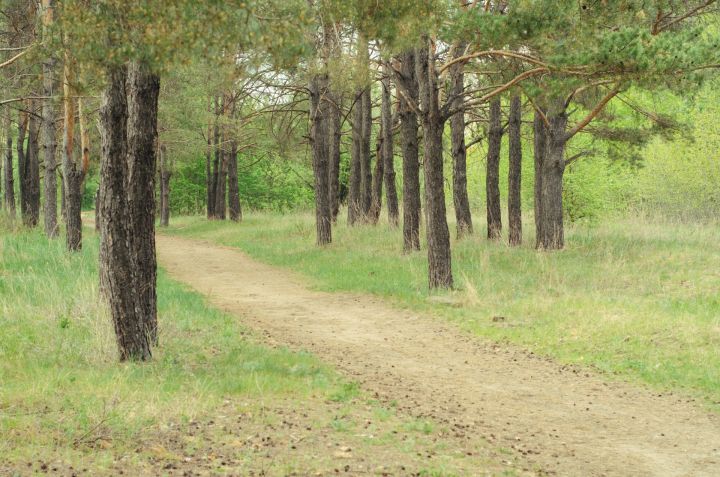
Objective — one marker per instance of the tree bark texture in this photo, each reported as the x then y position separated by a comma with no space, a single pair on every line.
377,182
492,177
461,201
388,153
9,182
48,130
22,164
320,118
354,199
73,173
216,159
551,200
438,235
539,143
365,156
334,166
210,206
32,168
515,172
234,208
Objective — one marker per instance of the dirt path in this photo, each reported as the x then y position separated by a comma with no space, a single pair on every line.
552,419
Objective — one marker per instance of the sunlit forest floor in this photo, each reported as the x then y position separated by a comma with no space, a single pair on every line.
629,297
212,402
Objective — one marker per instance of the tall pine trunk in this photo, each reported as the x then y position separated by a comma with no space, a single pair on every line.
73,174
553,167
438,235
539,143
48,129
492,177
388,154
410,147
165,174
354,194
365,156
210,193
377,182
459,152
233,187
118,280
32,163
22,164
320,139
221,157
515,172
334,165
9,181
216,158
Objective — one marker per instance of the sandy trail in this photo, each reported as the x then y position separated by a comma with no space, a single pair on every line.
552,419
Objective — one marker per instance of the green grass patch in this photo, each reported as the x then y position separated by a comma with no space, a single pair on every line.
628,297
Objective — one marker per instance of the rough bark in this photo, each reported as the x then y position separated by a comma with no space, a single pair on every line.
216,159
118,282
320,107
409,146
354,199
22,163
221,179
32,168
551,201
165,174
515,172
143,89
539,143
461,201
492,177
334,165
48,130
365,156
438,235
9,181
377,182
210,206
388,153
234,208
73,174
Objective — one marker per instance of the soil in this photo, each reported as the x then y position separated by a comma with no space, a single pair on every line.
551,419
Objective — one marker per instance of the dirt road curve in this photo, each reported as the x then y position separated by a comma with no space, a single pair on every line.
554,421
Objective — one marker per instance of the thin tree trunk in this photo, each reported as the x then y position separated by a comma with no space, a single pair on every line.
9,180
410,147
209,180
377,182
73,174
216,160
438,235
461,201
233,186
118,280
221,181
515,173
320,137
365,157
143,89
354,199
165,174
539,142
22,164
48,129
492,177
388,153
334,165
551,200
32,157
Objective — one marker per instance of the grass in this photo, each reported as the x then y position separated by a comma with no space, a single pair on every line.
212,398
629,297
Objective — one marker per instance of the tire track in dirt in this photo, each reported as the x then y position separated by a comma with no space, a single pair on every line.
554,420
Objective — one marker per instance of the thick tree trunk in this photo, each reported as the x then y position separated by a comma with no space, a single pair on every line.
233,186
409,146
32,160
551,200
143,89
388,153
48,130
492,177
8,169
118,280
354,199
73,174
461,201
165,174
320,117
539,143
515,172
377,182
334,165
438,235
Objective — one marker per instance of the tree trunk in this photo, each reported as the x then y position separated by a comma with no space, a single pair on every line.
118,280
221,187
32,159
73,174
377,182
9,180
461,201
539,143
438,235
492,177
165,174
216,160
388,153
515,173
48,129
320,117
233,186
365,156
22,164
209,179
551,209
409,146
354,194
143,89
334,165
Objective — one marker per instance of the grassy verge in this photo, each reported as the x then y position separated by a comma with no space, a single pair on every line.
628,297
211,401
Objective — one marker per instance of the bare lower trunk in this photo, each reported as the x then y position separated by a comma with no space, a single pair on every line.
409,146
320,137
233,187
388,153
216,160
377,183
365,156
210,192
165,175
334,164
72,190
48,148
552,235
492,177
539,142
221,187
438,235
461,201
22,163
9,181
354,199
515,173
32,160
118,280
143,88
